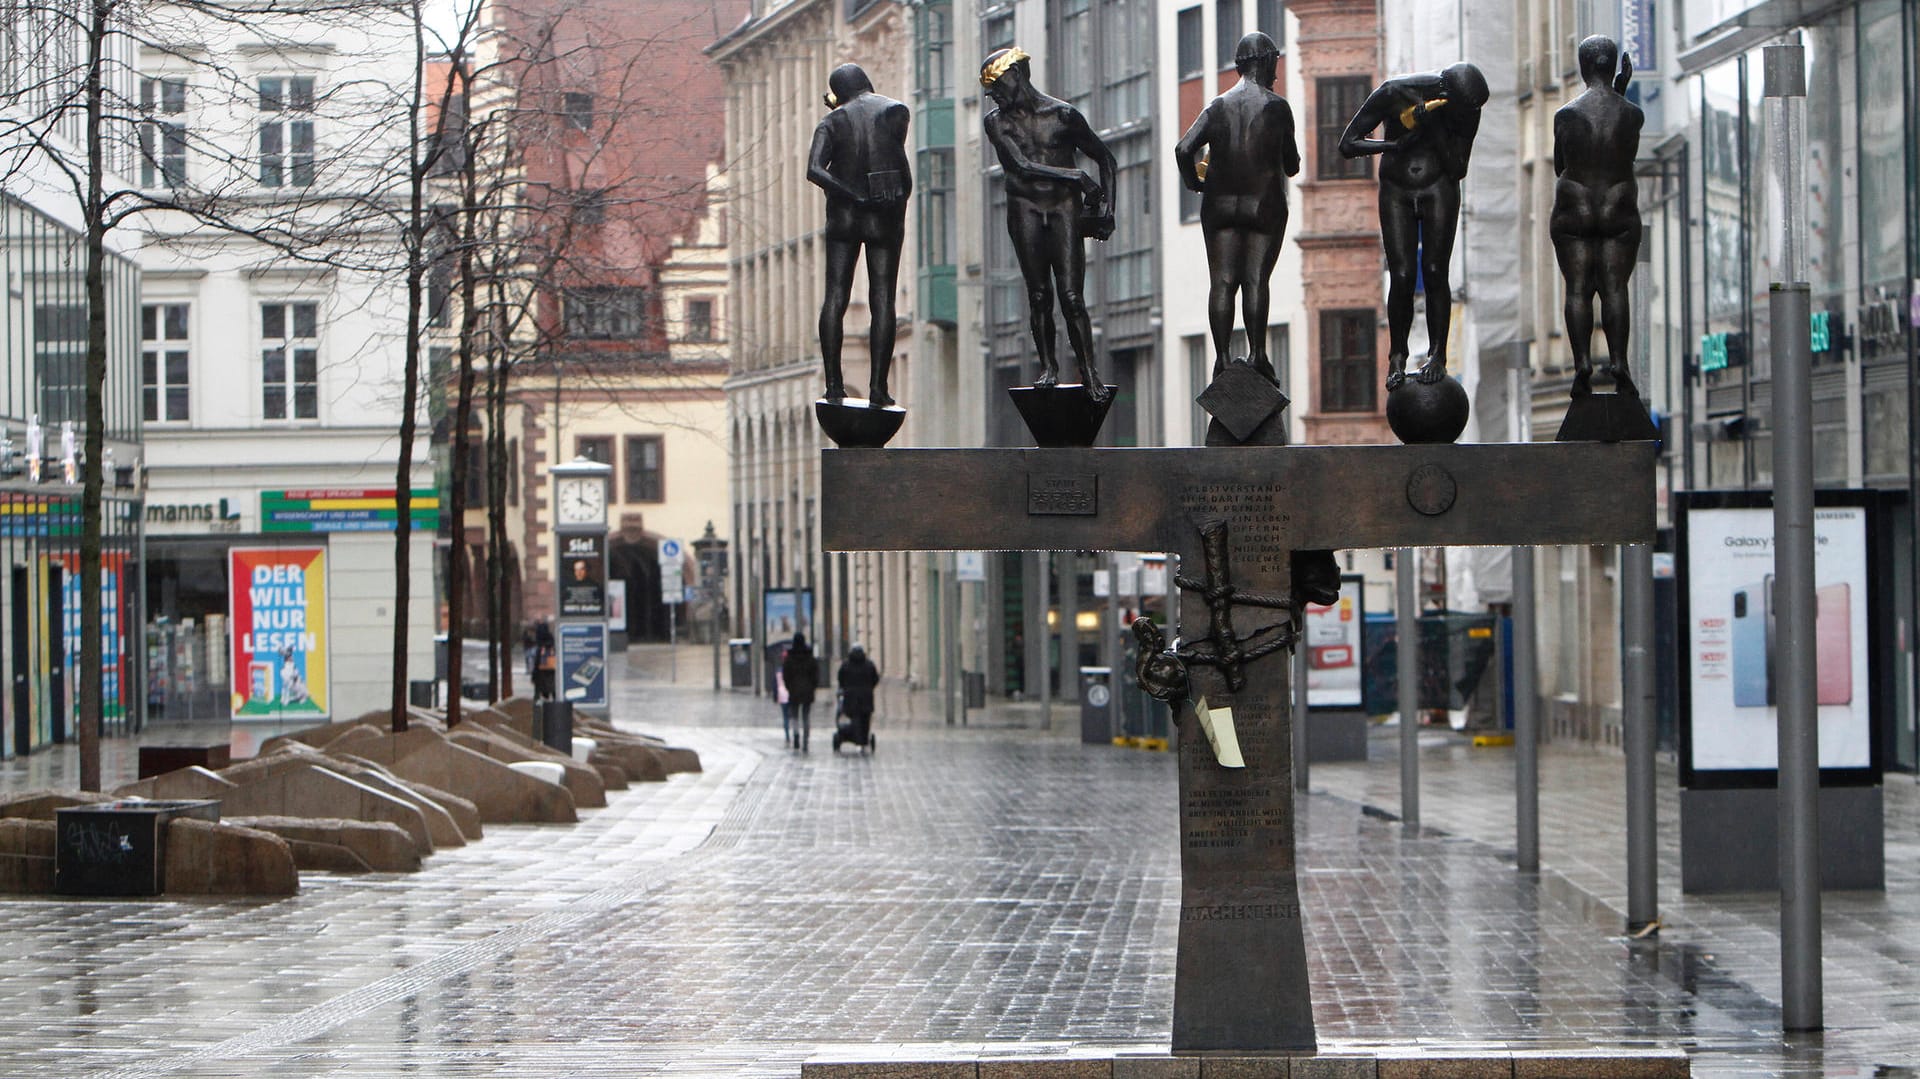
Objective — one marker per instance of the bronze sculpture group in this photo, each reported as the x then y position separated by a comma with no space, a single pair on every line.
1237,155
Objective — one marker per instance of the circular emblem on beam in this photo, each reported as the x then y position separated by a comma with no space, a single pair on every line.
1431,490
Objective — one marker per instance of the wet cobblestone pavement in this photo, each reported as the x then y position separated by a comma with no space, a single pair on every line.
963,890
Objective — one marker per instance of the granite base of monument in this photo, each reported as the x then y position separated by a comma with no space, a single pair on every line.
854,423
1063,415
1336,736
1414,1061
1729,840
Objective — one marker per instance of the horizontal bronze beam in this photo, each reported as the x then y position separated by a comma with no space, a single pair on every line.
1300,497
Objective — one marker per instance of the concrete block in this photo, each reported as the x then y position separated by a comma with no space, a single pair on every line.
209,858
544,771
310,857
1244,1067
517,709
1487,1065
26,855
1601,1064
1156,1068
641,763
955,1069
40,805
309,790
583,749
381,846
501,795
1041,1068
612,775
187,783
466,817
1332,1067
442,827
580,779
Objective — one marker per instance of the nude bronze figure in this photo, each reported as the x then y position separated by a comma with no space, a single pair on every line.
1596,209
859,158
1052,205
1429,124
1247,136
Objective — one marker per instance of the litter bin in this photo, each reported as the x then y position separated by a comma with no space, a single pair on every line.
118,848
974,686
556,726
420,693
1095,691
740,655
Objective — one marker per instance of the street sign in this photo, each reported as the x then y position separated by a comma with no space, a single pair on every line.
672,588
671,550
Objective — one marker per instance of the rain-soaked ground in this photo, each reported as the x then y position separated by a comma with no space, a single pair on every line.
962,890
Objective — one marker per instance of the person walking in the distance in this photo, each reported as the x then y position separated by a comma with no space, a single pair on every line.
859,158
801,673
1596,209
1247,136
1429,125
858,678
538,644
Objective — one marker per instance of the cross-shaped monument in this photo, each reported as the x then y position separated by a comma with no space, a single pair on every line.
1241,975
1240,509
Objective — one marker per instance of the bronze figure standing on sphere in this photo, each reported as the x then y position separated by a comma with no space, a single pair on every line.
1596,209
859,158
1247,136
1052,204
1430,122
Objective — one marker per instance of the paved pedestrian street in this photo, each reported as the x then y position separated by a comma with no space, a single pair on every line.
981,890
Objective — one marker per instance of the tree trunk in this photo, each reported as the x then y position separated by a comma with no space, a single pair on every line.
462,421
410,391
93,470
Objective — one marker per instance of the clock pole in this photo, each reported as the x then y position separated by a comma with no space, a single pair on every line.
581,492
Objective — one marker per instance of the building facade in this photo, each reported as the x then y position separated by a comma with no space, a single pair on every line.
271,383
622,357
43,346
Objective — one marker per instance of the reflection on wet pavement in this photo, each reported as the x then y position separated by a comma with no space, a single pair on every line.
962,888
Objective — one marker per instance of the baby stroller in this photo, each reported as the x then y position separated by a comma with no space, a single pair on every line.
847,729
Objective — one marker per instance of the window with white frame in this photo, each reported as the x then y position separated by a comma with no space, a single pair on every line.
286,131
290,361
163,132
165,357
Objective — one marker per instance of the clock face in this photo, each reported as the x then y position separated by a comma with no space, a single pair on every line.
583,500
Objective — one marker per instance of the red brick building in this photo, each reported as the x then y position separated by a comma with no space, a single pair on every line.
1337,52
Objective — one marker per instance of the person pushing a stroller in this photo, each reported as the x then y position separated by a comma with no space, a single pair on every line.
858,678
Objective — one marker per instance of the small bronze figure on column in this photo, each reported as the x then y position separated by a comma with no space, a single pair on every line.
1052,206
859,158
1596,237
1247,137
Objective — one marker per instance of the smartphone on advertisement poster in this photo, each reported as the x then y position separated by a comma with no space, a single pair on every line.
1752,659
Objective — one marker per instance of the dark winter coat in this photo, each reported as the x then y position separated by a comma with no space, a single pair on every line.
801,672
858,677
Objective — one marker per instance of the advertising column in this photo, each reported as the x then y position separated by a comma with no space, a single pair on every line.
580,489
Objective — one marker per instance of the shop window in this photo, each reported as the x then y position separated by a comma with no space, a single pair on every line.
165,352
646,469
290,361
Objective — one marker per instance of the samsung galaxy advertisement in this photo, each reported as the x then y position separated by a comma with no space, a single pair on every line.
1732,638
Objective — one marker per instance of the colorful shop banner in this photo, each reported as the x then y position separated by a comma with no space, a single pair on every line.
1333,648
1731,634
349,509
583,663
37,515
277,602
113,638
